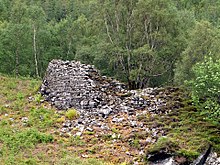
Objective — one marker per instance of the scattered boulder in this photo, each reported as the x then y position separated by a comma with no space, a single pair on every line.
202,158
207,158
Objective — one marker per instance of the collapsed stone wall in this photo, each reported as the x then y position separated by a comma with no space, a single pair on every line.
70,84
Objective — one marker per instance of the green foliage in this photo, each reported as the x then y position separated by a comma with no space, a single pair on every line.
203,40
20,96
41,118
38,97
206,87
14,141
72,114
141,42
141,52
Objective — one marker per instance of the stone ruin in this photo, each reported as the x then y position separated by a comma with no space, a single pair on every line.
70,84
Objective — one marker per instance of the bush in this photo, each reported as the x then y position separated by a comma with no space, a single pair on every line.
205,87
71,114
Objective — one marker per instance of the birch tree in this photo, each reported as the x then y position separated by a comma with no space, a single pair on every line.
37,20
142,35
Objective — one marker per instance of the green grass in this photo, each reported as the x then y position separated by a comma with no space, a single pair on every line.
15,142
41,118
71,114
32,142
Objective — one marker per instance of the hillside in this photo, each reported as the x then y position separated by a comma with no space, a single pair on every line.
137,82
31,130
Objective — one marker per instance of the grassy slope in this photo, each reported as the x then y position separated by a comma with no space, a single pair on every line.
31,141
35,141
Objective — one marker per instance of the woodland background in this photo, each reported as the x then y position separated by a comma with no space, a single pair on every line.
141,42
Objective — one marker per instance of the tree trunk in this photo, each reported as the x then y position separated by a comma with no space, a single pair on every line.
35,52
107,29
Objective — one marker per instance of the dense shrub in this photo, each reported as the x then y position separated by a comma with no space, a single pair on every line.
205,87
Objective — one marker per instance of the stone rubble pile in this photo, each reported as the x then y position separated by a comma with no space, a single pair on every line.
70,84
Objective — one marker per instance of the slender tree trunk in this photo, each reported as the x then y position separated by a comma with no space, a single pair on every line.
35,51
107,30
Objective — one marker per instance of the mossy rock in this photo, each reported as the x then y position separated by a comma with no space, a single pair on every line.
162,149
189,154
163,143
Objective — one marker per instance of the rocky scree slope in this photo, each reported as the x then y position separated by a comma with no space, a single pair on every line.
107,109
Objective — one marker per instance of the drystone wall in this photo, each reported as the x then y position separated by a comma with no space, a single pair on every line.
70,84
